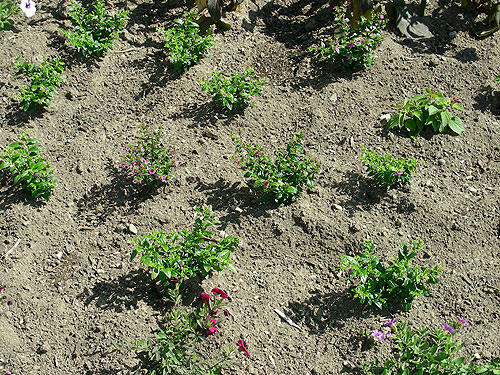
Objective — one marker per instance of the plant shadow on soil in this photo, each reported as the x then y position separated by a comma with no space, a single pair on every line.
10,194
224,196
488,100
103,200
15,116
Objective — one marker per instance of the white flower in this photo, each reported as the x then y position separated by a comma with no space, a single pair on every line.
28,7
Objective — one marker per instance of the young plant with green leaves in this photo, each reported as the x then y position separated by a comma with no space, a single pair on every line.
176,257
7,9
149,161
351,48
93,31
23,161
185,44
44,80
283,179
398,282
236,92
424,351
497,79
429,108
388,171
173,352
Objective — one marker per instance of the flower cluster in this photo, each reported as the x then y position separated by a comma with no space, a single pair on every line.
149,161
388,171
350,47
210,305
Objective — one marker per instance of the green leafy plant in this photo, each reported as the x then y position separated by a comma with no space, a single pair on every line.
236,92
28,168
388,171
176,257
7,9
283,179
173,352
429,108
350,47
184,43
497,79
93,32
398,282
425,351
44,81
149,161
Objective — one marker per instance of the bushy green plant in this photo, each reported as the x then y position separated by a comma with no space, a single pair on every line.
28,168
398,282
173,352
176,257
283,179
236,92
184,43
93,32
350,48
425,351
7,9
429,108
388,171
44,81
149,161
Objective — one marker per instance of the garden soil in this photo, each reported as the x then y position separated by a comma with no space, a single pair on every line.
75,295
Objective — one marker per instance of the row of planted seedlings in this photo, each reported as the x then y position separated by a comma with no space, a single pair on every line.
177,257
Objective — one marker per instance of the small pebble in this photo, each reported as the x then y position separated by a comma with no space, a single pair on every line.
441,161
472,189
338,207
132,229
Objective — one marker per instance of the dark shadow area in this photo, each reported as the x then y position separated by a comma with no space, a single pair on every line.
488,99
320,312
103,200
15,115
224,196
203,114
360,190
126,291
11,194
467,55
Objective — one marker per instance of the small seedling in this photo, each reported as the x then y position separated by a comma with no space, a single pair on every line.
429,108
282,179
93,32
351,48
388,171
184,43
236,92
398,282
27,167
44,81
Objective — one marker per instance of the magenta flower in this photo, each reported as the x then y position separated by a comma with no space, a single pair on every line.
448,328
163,178
390,322
240,244
462,321
213,329
349,271
377,335
219,292
242,348
205,297
2,288
176,163
398,173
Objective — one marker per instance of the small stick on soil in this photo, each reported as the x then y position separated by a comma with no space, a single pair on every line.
12,249
287,319
127,50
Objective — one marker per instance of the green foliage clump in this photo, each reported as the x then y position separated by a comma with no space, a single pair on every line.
28,168
44,81
176,257
388,171
398,282
283,179
7,9
184,43
93,32
429,108
236,92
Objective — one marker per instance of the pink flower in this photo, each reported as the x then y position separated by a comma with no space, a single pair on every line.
205,297
240,244
242,348
212,329
448,328
220,292
390,322
132,245
2,288
398,173
176,163
163,178
462,321
377,335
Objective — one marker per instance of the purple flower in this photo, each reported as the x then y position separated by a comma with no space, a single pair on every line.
163,178
448,328
349,271
398,173
462,321
240,244
381,16
28,7
390,322
388,335
377,335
